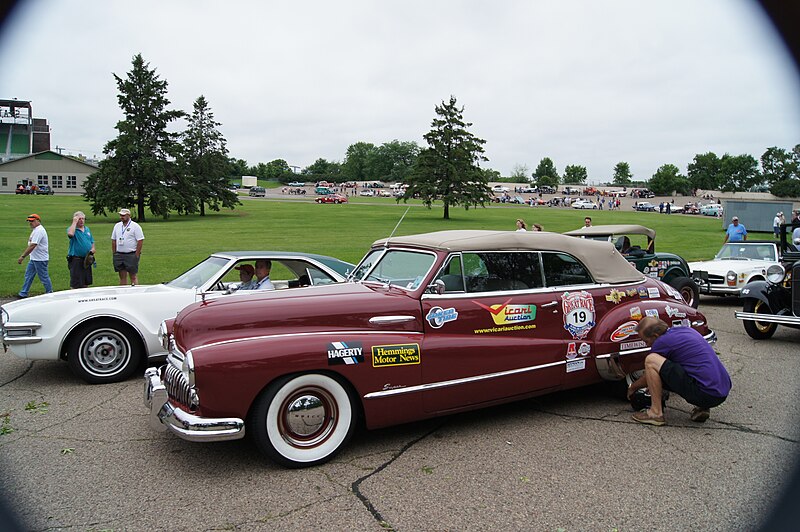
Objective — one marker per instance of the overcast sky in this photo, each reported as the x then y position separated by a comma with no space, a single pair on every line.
589,82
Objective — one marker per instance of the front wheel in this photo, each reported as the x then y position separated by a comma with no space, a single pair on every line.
758,330
104,351
302,420
688,290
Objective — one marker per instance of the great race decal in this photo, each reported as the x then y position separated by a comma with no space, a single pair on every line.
438,316
345,353
578,309
508,317
395,355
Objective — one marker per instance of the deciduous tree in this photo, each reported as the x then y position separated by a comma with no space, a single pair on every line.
449,168
575,175
622,174
668,180
546,173
704,172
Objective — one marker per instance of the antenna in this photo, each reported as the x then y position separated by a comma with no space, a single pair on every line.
386,245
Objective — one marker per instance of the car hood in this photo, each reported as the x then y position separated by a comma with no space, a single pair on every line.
100,293
338,307
721,267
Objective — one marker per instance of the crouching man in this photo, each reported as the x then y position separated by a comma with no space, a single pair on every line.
683,362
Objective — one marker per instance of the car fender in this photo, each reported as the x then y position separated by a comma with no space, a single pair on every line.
760,290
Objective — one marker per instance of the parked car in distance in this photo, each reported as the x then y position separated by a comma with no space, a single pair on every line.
572,190
433,324
366,192
776,299
546,189
735,265
583,204
500,188
691,208
331,198
45,189
645,206
529,190
258,192
388,193
638,245
297,184
711,209
106,333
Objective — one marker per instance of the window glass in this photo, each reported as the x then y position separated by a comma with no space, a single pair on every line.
405,269
451,275
561,269
493,272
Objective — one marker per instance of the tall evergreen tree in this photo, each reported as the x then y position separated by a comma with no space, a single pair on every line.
140,164
204,161
449,168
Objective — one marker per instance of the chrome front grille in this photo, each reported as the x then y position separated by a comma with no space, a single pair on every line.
716,279
178,388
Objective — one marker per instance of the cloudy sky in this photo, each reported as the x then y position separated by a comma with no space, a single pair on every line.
588,82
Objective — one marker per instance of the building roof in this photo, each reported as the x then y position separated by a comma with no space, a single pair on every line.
49,154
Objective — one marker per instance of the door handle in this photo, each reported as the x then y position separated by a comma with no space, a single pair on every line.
390,320
550,304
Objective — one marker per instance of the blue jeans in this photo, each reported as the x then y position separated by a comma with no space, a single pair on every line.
36,267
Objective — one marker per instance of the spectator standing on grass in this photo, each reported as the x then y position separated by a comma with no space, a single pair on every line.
736,232
127,239
81,246
39,257
521,225
776,223
587,222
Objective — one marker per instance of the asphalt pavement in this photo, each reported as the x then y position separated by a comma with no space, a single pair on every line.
81,457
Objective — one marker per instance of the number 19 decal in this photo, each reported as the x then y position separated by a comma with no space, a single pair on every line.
578,309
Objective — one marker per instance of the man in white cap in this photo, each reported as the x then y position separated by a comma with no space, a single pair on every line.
37,250
126,244
776,223
735,232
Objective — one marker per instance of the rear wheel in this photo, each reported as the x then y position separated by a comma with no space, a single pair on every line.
688,290
302,420
758,330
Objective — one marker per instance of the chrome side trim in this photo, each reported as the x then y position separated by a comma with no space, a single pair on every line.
21,332
768,318
456,382
292,335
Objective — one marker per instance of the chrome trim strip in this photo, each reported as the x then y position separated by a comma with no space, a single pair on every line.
456,382
767,318
290,335
390,320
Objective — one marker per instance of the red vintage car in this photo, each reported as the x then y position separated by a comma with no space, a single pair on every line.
331,198
431,324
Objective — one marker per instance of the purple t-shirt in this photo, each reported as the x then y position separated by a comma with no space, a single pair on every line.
687,347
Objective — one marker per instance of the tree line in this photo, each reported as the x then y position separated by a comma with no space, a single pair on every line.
150,167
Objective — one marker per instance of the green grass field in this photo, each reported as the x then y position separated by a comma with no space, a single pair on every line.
297,224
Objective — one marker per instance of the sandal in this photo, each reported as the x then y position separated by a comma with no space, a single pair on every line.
700,414
643,417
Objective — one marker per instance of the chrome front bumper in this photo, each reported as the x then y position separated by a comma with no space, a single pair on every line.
164,415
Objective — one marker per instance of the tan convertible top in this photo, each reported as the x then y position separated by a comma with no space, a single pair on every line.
600,230
603,261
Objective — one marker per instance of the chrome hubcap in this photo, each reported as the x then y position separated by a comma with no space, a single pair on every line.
308,417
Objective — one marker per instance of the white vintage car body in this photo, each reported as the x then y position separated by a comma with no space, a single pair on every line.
105,332
736,264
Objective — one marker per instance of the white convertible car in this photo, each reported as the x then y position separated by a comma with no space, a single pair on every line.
736,264
106,333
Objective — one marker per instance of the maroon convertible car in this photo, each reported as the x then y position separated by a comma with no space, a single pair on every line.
432,324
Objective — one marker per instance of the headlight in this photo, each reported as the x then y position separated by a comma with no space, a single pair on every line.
775,273
731,278
187,368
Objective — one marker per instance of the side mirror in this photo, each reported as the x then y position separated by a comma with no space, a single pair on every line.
438,287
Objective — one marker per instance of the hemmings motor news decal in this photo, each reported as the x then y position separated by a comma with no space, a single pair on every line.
345,353
395,355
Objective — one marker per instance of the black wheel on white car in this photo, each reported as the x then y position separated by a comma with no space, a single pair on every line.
104,351
302,420
758,330
688,290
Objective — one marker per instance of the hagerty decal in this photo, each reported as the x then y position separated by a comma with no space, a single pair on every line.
438,316
395,355
345,353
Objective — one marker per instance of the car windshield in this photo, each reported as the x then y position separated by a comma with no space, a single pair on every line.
402,268
199,274
741,251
